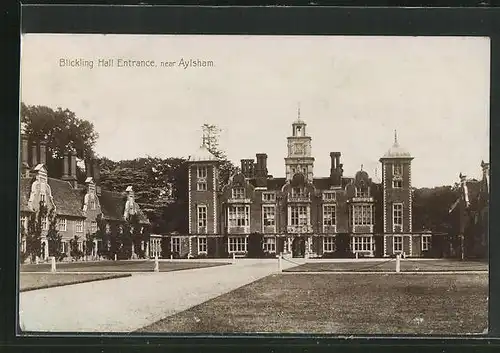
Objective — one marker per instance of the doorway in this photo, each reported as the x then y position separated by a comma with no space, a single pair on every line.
298,247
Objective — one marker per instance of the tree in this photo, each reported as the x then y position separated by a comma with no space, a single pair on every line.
61,130
89,243
54,239
34,233
211,137
431,209
75,251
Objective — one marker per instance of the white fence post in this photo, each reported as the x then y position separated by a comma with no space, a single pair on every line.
157,264
357,256
234,258
280,264
398,263
52,264
115,257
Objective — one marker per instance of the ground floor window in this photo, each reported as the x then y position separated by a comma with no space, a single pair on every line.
237,244
328,244
64,247
202,245
426,242
80,246
175,245
155,247
362,244
269,244
23,245
398,243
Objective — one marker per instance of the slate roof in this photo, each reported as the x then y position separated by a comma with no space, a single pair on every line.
68,201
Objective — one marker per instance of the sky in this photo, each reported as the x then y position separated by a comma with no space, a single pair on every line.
353,92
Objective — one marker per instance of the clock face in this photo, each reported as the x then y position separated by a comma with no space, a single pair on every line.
299,148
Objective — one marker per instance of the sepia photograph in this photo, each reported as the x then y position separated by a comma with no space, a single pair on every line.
216,184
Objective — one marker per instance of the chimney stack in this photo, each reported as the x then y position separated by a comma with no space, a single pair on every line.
34,155
336,168
43,153
261,167
88,168
333,166
66,166
96,170
24,156
486,174
247,168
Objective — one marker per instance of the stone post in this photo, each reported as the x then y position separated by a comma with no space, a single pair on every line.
157,265
52,264
398,263
46,255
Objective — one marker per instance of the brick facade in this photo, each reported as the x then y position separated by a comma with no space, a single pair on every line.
303,215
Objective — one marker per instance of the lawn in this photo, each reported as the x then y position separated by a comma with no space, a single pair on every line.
32,281
342,304
119,266
407,265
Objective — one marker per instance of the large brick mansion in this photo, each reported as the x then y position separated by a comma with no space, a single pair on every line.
301,214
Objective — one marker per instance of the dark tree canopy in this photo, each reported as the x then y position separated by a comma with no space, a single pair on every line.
431,209
62,131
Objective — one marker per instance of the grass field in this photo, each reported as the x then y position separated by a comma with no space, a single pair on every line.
118,266
32,281
407,265
342,304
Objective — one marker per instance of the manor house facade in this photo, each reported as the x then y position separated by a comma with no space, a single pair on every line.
75,208
300,214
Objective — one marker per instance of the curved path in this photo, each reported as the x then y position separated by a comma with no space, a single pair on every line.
127,304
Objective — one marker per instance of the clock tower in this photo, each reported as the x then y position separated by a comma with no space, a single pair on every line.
299,159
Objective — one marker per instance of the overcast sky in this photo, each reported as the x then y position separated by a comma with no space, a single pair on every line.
353,92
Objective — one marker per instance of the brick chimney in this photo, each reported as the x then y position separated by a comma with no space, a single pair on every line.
66,166
96,171
43,153
25,166
336,168
88,169
486,174
261,165
69,168
34,155
247,168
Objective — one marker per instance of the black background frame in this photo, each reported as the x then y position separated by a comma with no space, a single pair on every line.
261,20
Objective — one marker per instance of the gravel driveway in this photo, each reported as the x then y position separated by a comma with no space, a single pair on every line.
127,304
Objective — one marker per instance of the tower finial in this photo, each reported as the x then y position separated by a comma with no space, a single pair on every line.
361,167
395,137
298,110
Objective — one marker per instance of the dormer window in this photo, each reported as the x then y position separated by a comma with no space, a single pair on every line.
362,192
238,193
42,198
298,192
268,196
329,196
